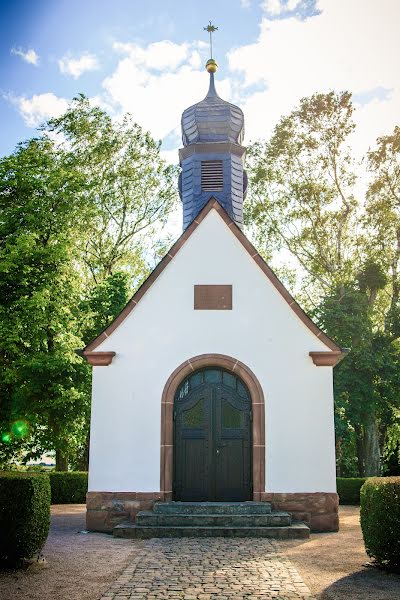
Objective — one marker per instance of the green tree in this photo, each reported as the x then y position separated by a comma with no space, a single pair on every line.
301,192
302,202
366,382
43,380
383,218
130,189
82,213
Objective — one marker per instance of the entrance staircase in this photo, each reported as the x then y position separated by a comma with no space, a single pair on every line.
212,519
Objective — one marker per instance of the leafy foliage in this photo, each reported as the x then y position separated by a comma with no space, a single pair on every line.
380,520
129,188
24,514
349,488
301,184
345,252
78,205
68,487
43,379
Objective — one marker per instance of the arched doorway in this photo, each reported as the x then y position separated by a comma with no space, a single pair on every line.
231,365
212,438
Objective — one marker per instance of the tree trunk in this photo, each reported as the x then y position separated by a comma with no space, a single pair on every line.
338,458
83,463
360,450
61,461
371,446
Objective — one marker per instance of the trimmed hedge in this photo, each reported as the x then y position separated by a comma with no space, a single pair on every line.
68,487
24,514
348,489
380,520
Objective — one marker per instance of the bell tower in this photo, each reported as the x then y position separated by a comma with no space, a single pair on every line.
212,157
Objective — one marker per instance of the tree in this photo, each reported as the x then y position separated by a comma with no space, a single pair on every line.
383,218
82,208
301,191
302,201
366,382
130,189
43,380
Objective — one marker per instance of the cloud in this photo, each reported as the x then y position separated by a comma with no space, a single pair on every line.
332,47
152,83
273,7
354,49
245,3
294,56
159,55
39,107
276,8
30,56
77,66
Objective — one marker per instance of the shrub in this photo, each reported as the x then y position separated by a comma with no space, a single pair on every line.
380,520
24,514
68,487
348,489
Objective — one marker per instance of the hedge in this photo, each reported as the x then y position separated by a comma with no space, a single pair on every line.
380,520
68,487
348,489
24,514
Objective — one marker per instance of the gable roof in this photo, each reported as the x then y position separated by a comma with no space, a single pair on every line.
248,246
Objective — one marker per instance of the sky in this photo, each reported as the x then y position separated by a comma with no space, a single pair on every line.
148,58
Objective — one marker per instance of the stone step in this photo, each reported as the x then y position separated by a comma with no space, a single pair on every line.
133,531
212,508
276,519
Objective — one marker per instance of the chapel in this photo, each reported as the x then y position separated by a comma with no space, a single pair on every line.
212,401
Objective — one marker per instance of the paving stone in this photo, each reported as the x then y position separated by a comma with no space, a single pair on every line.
210,569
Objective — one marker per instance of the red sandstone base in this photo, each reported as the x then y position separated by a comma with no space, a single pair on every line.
318,510
105,510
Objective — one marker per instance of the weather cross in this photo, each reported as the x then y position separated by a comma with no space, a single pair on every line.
210,28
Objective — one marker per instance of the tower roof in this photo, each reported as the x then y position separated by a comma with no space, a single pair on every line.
212,120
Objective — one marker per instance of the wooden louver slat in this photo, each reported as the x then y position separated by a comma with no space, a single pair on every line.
212,176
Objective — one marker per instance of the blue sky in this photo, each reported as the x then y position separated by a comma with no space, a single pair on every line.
148,58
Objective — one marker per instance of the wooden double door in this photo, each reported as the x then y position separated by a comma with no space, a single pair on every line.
212,438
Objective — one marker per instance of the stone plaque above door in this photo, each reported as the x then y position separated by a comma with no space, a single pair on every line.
213,297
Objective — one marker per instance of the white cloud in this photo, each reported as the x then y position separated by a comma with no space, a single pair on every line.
39,107
159,55
245,3
273,7
157,99
170,156
195,60
30,56
353,47
77,66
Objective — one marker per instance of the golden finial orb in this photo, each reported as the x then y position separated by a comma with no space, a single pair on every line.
211,66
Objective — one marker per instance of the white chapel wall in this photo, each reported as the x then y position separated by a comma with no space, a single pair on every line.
163,331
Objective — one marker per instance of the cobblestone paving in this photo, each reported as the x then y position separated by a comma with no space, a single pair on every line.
210,568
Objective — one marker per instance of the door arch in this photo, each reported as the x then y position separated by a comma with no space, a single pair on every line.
238,368
212,438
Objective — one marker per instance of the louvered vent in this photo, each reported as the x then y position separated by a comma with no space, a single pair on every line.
212,176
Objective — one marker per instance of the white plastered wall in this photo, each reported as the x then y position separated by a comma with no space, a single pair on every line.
164,330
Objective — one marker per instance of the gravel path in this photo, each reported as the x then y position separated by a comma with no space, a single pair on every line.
84,567
78,566
333,564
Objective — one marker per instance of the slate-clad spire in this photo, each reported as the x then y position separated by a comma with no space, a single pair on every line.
212,156
212,120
